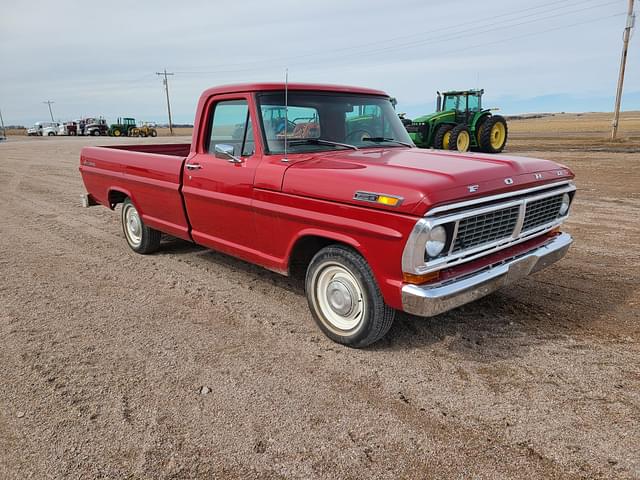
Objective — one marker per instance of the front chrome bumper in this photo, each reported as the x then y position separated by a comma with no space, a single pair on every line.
430,300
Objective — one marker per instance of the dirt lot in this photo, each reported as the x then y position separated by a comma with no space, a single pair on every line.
104,353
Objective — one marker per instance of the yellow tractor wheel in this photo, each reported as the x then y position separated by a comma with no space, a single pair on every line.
493,134
442,137
460,138
117,132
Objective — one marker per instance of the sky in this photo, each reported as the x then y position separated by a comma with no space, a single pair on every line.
101,58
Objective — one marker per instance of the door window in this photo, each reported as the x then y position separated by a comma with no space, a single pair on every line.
231,125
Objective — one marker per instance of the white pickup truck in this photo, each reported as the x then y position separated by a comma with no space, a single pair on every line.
44,128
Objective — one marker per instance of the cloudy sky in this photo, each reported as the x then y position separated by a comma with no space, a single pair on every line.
100,58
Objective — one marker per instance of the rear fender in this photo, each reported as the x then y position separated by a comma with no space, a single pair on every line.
115,195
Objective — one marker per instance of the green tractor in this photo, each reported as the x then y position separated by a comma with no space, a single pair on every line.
124,127
459,123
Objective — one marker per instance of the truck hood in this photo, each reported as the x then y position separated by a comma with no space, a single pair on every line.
422,178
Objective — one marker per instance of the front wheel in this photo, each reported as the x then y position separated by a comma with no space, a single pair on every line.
493,134
141,239
460,139
442,136
344,298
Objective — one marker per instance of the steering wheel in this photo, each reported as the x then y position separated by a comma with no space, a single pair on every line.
357,135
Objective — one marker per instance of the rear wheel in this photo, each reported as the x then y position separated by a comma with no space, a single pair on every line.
141,239
344,298
493,134
460,139
442,137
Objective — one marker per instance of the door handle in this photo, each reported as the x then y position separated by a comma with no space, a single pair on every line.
193,166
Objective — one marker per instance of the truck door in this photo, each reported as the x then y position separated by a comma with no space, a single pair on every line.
217,187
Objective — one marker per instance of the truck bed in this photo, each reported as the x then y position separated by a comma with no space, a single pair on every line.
149,174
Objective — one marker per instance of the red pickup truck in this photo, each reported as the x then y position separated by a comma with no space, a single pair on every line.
323,180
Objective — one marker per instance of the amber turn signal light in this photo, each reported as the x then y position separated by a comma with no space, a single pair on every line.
418,279
385,200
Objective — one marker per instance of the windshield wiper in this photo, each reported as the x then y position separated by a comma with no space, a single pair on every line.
385,139
320,141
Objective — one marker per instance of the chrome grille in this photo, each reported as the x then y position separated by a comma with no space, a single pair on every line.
485,228
542,211
482,226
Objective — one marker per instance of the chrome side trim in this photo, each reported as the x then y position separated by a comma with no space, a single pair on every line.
413,256
475,201
372,197
430,300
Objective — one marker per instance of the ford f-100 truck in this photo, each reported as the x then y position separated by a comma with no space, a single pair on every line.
324,181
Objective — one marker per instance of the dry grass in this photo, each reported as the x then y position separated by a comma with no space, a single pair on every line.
560,131
575,131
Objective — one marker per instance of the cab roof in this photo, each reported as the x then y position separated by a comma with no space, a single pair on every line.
464,92
260,87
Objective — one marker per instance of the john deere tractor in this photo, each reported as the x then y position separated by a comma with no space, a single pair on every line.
124,127
459,123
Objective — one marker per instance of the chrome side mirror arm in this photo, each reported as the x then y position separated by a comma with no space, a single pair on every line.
227,152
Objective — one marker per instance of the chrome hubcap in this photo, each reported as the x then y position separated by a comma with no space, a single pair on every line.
133,225
339,298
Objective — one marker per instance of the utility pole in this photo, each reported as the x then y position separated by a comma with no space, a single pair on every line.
4,132
166,89
49,102
623,62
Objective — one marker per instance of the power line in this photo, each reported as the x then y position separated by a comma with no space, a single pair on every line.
430,39
166,89
49,102
623,62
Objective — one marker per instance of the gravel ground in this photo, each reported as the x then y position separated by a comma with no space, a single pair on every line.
189,363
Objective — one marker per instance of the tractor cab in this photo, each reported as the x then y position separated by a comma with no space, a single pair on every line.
464,103
127,122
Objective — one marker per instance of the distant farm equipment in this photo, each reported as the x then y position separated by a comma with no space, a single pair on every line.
43,129
92,126
124,127
459,123
144,130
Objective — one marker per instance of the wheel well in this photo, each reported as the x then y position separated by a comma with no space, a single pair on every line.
116,197
305,249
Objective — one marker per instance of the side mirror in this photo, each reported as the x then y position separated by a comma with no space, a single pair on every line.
226,152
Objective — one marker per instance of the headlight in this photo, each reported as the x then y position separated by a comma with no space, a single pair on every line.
436,241
564,206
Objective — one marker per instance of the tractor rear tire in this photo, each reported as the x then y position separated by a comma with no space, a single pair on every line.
441,138
493,134
460,138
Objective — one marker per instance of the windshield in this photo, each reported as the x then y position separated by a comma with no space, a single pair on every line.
329,121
